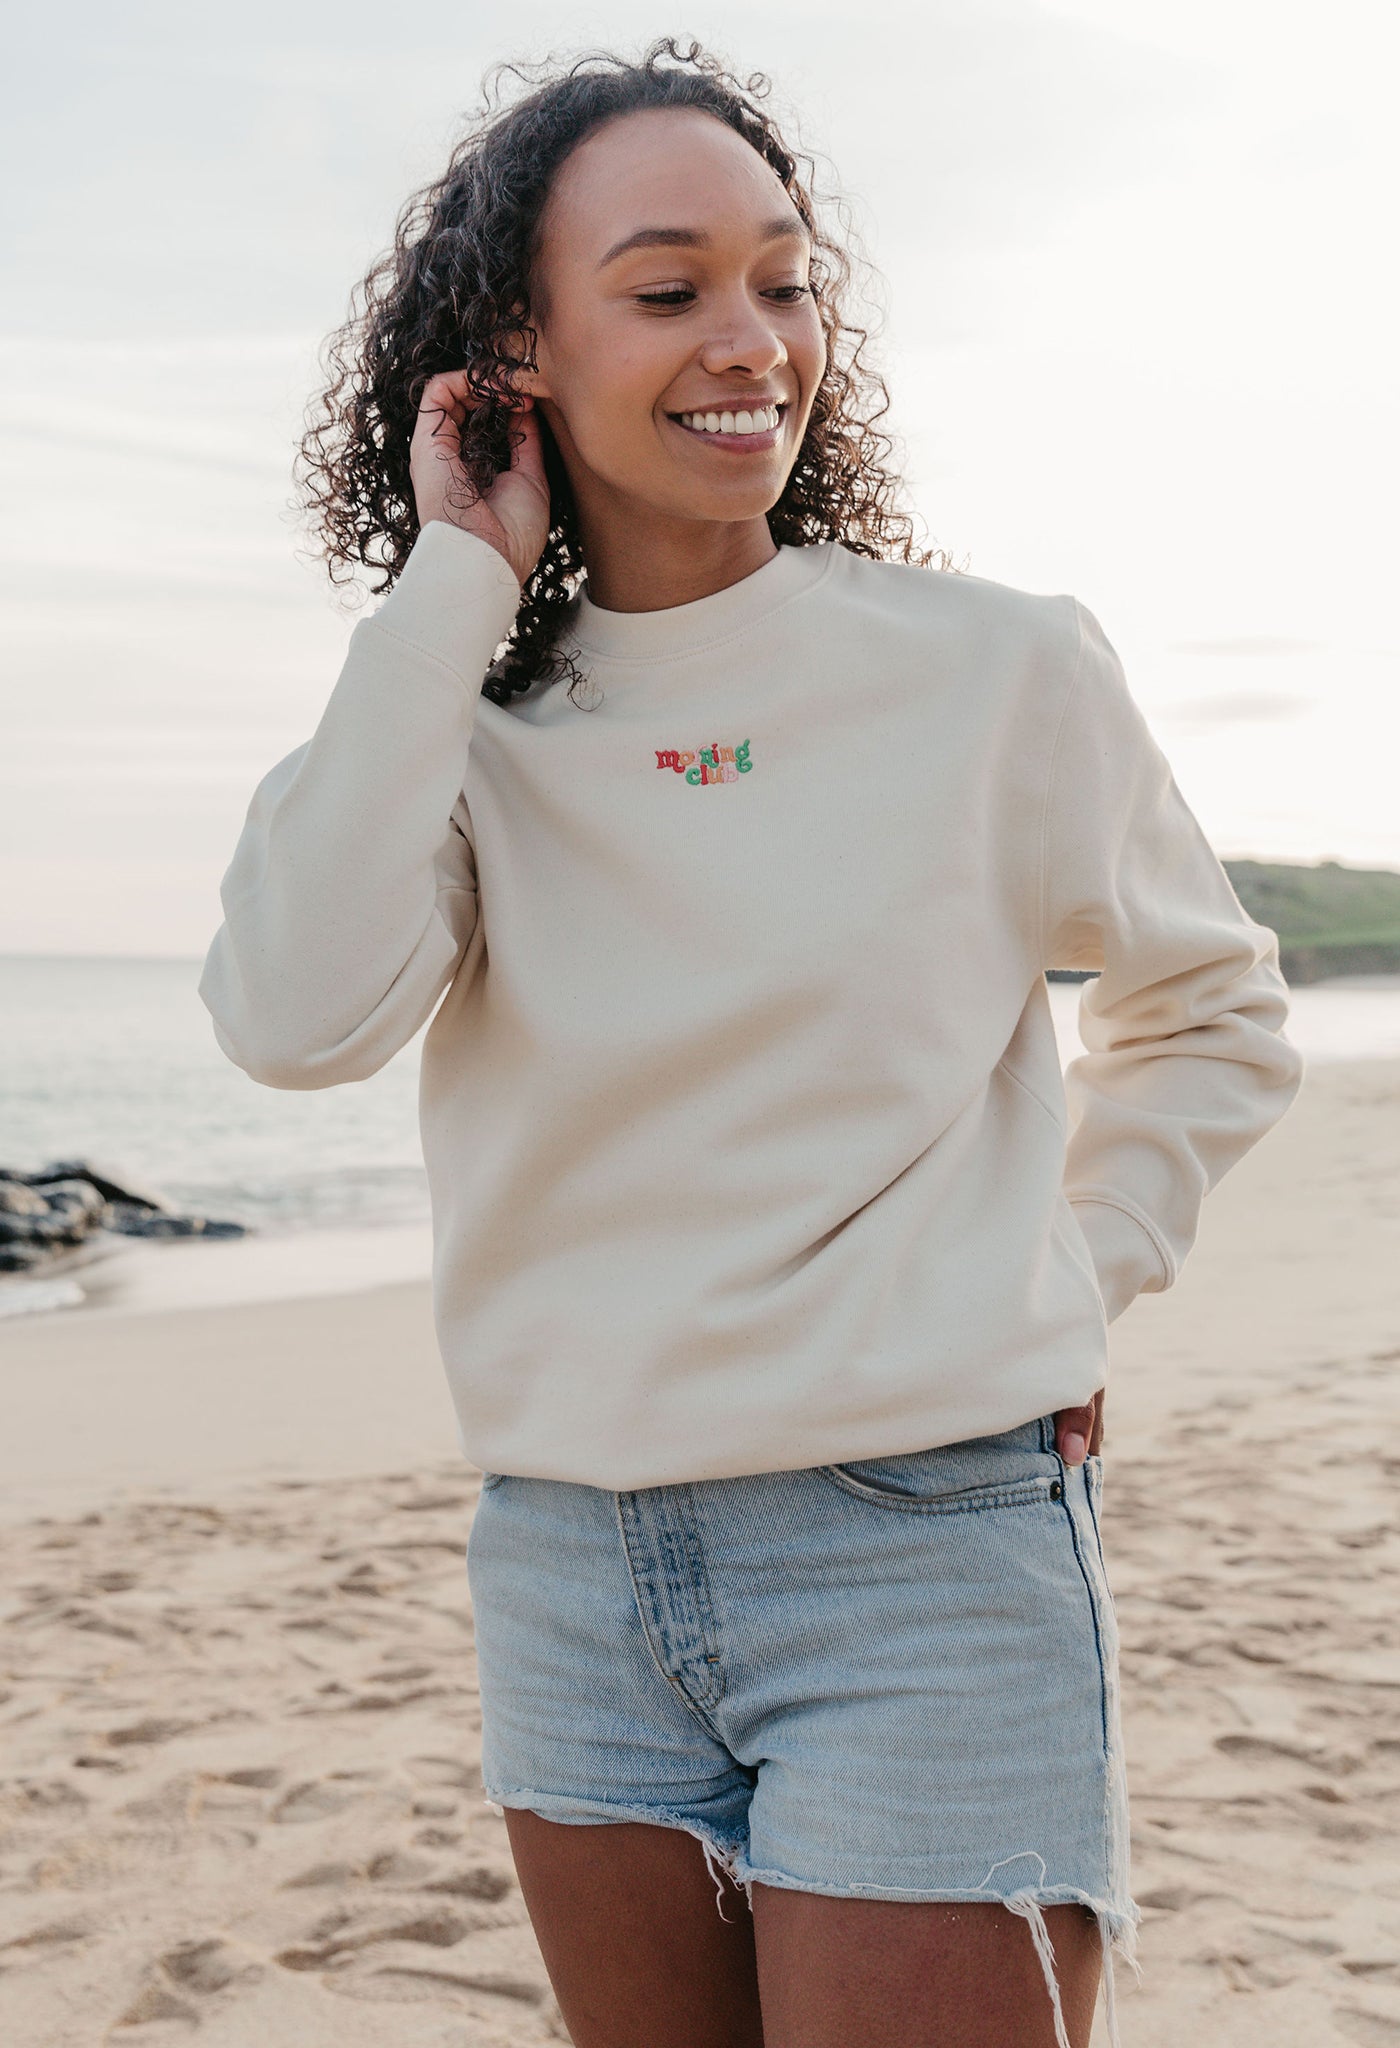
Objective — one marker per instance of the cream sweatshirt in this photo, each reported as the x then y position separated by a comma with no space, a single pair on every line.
745,1129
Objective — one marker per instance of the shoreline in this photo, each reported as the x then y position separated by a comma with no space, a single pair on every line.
114,1275
339,1371
111,1273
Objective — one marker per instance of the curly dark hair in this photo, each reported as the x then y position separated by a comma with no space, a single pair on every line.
457,284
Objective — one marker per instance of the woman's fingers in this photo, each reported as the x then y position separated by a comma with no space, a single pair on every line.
514,513
1072,1426
1079,1431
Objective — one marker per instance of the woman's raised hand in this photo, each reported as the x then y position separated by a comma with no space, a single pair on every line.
514,515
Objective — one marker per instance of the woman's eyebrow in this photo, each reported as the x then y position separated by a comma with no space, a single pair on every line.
696,238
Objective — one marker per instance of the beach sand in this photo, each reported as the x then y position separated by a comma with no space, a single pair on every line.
240,1791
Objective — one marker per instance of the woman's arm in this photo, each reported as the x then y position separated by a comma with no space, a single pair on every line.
1186,1064
351,895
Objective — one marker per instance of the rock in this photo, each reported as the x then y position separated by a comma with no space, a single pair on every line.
69,1201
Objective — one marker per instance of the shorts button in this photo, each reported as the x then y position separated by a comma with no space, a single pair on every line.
1056,1490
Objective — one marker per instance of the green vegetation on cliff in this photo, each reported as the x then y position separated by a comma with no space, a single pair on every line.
1330,919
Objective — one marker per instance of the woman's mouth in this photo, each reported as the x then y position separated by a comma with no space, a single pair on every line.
741,432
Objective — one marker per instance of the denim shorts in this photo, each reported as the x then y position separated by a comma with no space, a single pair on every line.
890,1679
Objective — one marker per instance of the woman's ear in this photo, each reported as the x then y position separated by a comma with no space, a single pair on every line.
524,348
533,382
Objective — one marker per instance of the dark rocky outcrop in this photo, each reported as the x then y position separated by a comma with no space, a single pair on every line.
44,1214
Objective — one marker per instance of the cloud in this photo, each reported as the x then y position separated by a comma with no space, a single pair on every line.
1236,707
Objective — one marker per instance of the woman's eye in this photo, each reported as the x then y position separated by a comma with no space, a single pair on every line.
790,293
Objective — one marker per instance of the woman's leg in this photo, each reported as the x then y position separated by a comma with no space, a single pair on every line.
834,1971
628,1922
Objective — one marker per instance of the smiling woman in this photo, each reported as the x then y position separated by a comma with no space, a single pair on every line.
771,1273
645,336
666,279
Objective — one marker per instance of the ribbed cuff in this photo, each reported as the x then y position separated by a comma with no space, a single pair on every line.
1126,1259
456,599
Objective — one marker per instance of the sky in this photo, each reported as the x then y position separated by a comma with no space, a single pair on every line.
1129,282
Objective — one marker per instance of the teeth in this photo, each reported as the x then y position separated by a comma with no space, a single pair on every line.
732,422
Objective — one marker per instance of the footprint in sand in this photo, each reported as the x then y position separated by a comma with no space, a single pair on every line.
479,1881
153,1729
438,1926
318,1799
444,1773
103,1858
1175,1898
50,1939
182,1980
1302,1748
1278,1940
201,1799
407,1985
1368,2029
29,1799
397,1869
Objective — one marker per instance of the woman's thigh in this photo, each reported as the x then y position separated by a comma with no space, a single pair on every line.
628,1922
639,1957
833,1971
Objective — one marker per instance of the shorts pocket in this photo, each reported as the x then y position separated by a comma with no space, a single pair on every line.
948,1479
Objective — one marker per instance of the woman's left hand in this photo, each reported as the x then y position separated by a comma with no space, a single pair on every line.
1079,1431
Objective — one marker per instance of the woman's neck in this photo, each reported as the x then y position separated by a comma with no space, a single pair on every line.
631,569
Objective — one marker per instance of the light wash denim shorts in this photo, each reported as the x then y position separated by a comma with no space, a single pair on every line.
890,1679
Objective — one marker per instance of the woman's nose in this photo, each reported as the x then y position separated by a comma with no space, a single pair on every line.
752,345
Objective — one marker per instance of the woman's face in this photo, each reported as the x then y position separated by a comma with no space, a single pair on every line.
707,312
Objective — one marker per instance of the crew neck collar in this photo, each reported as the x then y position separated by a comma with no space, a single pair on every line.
685,628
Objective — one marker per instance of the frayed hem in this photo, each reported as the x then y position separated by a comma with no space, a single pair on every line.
720,1861
1117,1930
1117,1926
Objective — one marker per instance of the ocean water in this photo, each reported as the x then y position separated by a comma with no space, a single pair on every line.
114,1062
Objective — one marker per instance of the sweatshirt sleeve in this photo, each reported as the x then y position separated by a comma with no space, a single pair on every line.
1187,1065
351,895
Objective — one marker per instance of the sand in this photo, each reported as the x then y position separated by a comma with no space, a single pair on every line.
240,1791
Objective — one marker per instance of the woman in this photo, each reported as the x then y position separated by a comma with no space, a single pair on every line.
773,1262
